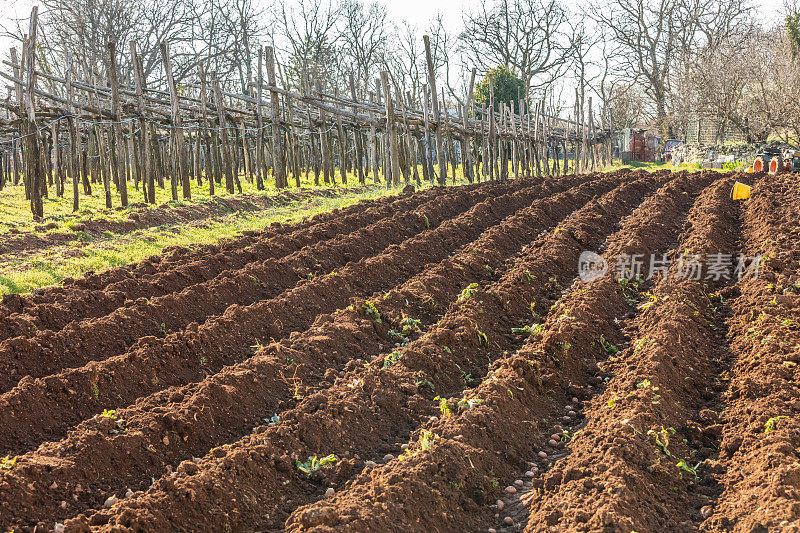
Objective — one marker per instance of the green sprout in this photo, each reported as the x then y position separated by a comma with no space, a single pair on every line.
469,403
662,438
683,465
372,311
482,338
8,462
771,423
426,440
424,383
109,413
609,348
410,325
392,358
313,464
443,407
468,292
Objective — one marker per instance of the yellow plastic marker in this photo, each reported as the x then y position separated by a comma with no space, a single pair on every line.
740,191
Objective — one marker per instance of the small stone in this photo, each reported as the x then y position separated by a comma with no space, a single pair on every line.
566,418
706,511
388,457
552,442
555,436
518,483
543,454
165,440
63,504
128,493
574,400
568,407
370,463
404,447
511,489
54,486
491,530
434,419
530,473
111,500
500,505
330,492
572,414
508,521
58,527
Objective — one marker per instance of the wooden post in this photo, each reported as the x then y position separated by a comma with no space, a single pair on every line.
72,163
357,135
436,115
391,131
466,153
428,161
209,163
277,136
34,167
179,139
373,147
148,178
259,123
119,161
223,134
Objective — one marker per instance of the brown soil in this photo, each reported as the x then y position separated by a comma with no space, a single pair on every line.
442,349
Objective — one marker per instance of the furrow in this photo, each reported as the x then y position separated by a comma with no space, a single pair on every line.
633,462
758,468
200,415
177,268
473,335
451,472
82,341
64,399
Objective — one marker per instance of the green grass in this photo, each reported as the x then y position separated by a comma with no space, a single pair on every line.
24,274
15,209
694,167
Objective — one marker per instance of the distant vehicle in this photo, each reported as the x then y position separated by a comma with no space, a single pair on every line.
669,146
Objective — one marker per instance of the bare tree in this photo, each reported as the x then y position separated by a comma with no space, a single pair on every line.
310,35
651,36
529,36
365,35
405,59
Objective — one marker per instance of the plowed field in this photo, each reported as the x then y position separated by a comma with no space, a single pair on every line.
427,362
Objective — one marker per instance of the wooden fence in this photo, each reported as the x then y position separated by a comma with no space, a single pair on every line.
59,129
